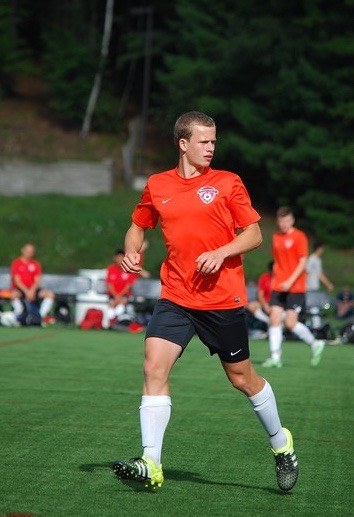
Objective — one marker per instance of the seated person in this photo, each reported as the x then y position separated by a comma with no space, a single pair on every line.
26,273
119,287
260,307
345,303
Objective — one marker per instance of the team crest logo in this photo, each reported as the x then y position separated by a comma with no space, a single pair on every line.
289,243
207,194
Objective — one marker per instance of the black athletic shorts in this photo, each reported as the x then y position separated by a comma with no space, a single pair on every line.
224,332
288,301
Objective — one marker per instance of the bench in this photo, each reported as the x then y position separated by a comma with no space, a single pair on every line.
65,287
145,293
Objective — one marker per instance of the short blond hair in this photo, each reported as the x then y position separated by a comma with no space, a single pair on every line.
185,122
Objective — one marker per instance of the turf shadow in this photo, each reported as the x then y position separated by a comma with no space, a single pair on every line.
180,475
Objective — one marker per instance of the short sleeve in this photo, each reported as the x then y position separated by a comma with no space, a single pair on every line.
240,205
145,215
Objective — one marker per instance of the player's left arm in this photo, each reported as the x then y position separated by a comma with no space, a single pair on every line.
325,281
248,239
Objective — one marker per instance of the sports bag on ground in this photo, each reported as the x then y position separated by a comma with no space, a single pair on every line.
92,320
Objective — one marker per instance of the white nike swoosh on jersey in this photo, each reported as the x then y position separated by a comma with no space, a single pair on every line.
166,200
235,353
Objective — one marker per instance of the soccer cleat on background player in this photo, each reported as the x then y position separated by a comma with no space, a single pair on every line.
272,363
286,465
317,349
140,469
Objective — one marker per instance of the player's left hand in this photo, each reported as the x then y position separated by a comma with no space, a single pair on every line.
210,262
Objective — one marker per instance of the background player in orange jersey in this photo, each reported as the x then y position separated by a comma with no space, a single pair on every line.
290,251
203,291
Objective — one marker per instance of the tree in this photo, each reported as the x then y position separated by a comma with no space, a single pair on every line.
98,77
13,55
278,78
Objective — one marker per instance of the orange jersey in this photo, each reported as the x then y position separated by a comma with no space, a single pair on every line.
197,215
288,248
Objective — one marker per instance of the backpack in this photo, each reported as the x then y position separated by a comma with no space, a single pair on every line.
30,316
325,332
62,313
347,333
92,320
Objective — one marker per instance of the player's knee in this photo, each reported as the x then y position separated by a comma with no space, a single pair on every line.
154,370
240,381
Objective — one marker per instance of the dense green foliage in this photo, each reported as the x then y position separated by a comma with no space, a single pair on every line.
276,76
12,54
81,232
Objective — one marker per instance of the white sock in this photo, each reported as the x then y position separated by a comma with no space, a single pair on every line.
304,333
46,305
119,310
155,412
111,313
275,335
261,316
18,306
265,407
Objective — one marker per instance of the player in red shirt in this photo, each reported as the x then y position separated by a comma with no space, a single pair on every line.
26,273
260,308
119,287
207,222
290,251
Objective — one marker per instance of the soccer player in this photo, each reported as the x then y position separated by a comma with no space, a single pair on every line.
290,251
119,287
260,308
314,270
26,273
316,276
203,291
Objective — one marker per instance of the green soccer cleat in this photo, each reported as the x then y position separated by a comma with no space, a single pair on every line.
272,363
317,350
140,469
286,465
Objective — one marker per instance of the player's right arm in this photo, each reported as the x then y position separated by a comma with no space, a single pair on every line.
133,242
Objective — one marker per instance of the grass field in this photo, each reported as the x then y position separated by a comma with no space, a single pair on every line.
69,406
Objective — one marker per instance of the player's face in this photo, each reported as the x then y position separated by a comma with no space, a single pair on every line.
199,149
286,223
28,251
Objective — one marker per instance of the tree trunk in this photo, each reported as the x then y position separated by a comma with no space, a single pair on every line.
86,126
